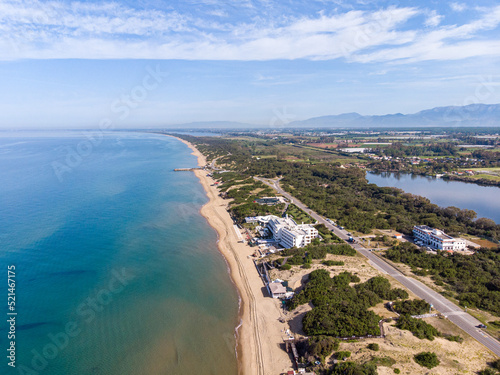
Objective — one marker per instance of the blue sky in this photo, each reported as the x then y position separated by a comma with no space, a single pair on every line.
156,63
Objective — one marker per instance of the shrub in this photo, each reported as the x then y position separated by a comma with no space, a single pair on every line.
496,364
397,371
418,327
457,338
343,368
487,371
285,267
495,323
307,265
383,361
374,347
333,263
322,346
343,354
426,359
412,307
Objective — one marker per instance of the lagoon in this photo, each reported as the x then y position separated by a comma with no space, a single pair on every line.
484,200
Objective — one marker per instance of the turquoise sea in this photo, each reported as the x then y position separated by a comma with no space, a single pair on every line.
117,273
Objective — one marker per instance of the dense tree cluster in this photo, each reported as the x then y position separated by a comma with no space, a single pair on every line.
432,149
474,278
411,307
318,347
341,310
418,327
344,194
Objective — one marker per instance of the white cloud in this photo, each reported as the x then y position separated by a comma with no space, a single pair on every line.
445,43
433,19
36,30
458,7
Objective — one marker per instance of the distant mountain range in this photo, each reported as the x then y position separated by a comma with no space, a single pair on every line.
452,116
470,115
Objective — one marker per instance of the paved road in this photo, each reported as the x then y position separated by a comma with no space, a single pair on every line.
454,313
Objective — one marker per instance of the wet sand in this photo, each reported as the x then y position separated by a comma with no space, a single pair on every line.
260,334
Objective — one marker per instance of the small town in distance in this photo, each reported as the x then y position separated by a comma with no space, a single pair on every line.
359,271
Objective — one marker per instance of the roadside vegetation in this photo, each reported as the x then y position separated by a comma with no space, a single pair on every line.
473,279
333,183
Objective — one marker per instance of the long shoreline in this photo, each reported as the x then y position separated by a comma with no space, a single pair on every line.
241,354
259,333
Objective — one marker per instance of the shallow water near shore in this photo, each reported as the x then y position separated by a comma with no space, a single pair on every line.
116,270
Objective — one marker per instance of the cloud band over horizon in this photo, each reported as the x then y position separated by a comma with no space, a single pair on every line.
31,29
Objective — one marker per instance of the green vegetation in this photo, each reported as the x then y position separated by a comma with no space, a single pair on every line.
298,215
351,368
452,338
423,330
314,176
333,263
374,347
342,355
305,255
328,236
342,193
496,365
383,361
318,346
475,278
427,359
397,371
488,371
418,327
340,310
411,307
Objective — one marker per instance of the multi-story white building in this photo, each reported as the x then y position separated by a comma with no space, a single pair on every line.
290,234
438,239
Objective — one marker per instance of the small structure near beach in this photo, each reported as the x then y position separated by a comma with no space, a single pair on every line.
278,290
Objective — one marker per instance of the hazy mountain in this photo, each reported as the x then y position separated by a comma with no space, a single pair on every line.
212,125
470,115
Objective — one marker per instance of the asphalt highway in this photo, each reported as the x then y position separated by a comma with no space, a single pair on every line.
451,311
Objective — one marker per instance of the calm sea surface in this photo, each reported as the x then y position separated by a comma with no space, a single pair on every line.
485,200
116,270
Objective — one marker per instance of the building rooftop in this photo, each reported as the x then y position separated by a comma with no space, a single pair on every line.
276,288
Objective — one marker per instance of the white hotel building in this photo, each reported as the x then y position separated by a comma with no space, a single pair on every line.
438,239
289,234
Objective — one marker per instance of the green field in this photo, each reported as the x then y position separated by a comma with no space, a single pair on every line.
492,174
298,215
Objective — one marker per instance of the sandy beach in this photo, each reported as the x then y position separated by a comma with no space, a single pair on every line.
260,334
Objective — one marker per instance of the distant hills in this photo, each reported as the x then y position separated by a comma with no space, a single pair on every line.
470,115
452,116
